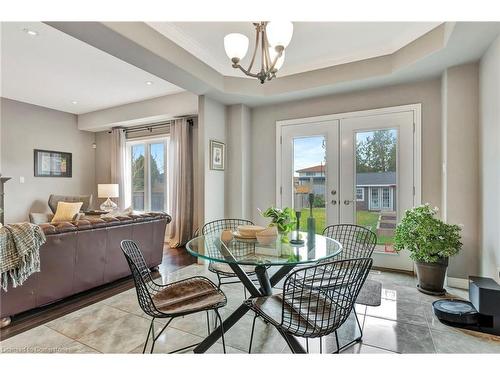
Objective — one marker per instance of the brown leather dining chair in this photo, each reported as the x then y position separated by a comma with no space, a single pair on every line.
169,301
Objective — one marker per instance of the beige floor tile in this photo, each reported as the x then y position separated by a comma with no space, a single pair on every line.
396,336
41,339
120,336
76,347
86,320
465,342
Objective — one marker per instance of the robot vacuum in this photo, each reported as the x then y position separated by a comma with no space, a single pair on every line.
455,312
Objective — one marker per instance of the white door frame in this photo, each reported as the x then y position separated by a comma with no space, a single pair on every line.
417,140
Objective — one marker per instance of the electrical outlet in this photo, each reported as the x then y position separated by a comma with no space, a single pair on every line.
21,180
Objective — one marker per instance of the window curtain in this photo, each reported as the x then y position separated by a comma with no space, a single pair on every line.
181,183
118,154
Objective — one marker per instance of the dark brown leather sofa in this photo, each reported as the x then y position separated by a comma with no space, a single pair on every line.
85,254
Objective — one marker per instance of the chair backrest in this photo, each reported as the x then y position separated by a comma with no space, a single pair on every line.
221,224
356,241
141,274
54,199
318,299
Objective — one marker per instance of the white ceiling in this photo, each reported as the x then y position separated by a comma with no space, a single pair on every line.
54,69
314,45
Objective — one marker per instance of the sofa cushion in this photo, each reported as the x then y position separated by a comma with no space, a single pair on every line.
66,211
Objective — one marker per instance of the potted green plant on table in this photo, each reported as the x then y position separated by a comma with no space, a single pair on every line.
430,242
283,219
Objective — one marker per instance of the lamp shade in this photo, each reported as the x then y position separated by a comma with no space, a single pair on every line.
272,56
236,45
279,33
107,191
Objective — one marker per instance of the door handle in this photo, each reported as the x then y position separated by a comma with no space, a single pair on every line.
334,202
347,202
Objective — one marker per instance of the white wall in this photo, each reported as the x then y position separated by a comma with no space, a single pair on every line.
146,111
264,133
238,178
461,163
26,127
489,78
211,125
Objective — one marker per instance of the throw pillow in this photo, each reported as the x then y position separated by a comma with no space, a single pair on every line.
66,211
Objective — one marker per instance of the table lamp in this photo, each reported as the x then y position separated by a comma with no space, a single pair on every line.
108,191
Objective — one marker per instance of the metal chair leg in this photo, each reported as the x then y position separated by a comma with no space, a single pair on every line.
321,345
245,291
208,322
307,345
359,326
337,341
251,335
147,338
222,331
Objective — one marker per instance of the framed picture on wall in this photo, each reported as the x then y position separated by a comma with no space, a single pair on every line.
52,163
217,155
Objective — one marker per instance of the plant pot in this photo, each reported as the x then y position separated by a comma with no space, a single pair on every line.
431,277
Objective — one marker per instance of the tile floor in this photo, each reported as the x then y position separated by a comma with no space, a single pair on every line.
404,323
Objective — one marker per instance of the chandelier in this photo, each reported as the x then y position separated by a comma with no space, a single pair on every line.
271,38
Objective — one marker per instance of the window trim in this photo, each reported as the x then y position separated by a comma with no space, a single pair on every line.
147,142
371,205
362,189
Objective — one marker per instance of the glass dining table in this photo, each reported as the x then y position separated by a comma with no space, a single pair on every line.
247,252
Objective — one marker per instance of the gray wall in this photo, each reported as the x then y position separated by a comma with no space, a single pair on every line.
264,133
238,178
211,125
26,127
489,140
460,193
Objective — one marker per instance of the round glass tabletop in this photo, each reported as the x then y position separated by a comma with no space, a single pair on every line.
250,252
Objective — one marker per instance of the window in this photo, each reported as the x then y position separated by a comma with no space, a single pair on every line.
360,194
374,199
386,198
147,165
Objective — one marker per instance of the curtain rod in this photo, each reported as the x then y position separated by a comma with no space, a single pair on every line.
156,125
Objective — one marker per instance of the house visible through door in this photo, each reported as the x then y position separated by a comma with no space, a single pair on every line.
361,168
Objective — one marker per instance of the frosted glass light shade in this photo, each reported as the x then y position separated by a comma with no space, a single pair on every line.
279,33
236,45
272,55
107,191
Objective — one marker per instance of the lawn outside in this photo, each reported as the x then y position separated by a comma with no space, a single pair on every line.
366,219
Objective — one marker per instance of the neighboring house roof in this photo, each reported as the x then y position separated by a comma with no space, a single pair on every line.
316,168
366,178
376,178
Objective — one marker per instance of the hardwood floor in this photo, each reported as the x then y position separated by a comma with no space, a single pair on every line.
173,259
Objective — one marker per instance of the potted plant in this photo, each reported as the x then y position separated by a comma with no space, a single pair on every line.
430,242
283,219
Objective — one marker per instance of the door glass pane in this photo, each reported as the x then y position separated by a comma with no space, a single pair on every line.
309,166
157,165
376,163
137,163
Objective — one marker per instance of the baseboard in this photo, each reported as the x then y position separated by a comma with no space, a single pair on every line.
457,283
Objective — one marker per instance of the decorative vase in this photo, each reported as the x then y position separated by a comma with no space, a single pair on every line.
431,277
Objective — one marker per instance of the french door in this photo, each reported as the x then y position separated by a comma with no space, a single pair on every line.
360,168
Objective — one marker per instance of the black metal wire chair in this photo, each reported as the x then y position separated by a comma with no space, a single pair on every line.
225,275
357,242
176,299
316,300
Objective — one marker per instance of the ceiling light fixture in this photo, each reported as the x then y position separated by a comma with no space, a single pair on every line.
149,83
30,32
74,102
272,38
